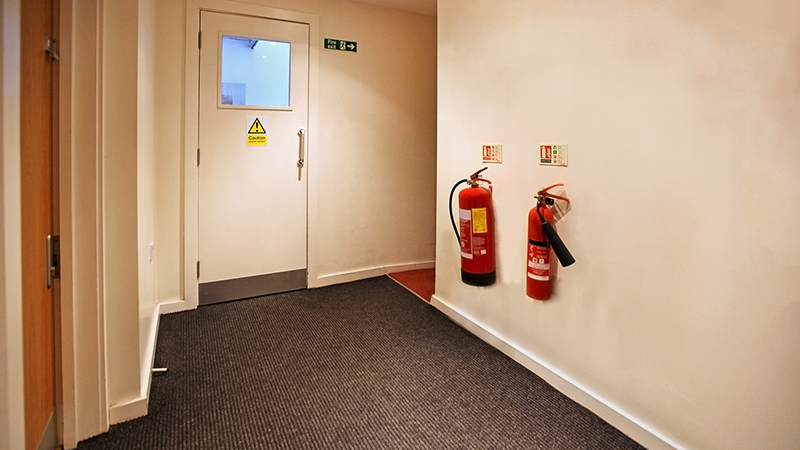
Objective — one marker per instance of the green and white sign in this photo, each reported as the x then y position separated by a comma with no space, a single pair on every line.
338,44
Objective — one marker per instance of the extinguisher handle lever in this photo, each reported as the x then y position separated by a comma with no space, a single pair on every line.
544,193
476,175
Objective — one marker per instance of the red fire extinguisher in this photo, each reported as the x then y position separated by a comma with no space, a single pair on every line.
543,241
476,222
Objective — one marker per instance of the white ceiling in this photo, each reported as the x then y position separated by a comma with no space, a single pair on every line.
424,7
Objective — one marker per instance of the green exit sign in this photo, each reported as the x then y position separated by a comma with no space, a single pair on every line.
338,44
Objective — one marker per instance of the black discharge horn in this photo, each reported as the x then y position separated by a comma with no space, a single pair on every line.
561,250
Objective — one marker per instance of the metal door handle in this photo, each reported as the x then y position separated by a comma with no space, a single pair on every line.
301,158
50,49
53,256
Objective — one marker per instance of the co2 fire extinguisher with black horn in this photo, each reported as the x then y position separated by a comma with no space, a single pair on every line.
476,222
543,241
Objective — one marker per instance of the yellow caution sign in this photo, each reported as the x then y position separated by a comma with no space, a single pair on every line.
256,128
256,139
256,135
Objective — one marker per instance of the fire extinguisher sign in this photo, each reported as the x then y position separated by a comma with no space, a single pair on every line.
492,153
553,155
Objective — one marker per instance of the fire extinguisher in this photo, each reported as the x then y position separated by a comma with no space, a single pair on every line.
543,241
476,222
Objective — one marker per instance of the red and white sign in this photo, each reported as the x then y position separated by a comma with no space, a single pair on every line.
553,155
492,153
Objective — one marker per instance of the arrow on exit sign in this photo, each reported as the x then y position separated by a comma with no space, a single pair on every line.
338,44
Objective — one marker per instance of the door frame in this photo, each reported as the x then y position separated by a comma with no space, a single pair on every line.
84,408
12,423
12,427
191,131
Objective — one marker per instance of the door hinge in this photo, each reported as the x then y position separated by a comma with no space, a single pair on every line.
199,39
198,270
53,259
198,157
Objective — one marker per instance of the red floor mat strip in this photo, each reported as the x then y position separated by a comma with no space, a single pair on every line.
420,282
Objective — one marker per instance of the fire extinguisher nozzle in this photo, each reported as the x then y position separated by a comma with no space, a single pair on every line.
567,260
561,251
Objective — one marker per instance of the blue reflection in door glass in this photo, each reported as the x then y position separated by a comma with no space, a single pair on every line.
255,72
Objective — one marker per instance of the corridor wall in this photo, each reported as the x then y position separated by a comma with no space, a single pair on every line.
679,322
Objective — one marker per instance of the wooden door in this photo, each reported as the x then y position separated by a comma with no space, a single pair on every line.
37,162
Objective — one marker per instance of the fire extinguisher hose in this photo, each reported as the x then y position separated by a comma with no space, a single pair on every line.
452,220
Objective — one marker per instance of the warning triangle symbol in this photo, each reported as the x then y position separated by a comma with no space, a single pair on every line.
257,128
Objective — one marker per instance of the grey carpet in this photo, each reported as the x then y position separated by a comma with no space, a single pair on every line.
362,365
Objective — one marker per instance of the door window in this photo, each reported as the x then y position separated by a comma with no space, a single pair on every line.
254,72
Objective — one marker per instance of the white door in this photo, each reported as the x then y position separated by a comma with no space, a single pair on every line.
251,171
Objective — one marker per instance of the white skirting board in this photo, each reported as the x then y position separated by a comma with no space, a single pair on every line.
360,274
636,429
137,407
175,305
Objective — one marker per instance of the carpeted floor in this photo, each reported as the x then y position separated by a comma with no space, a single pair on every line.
362,365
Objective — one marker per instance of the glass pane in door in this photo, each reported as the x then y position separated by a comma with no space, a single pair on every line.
254,72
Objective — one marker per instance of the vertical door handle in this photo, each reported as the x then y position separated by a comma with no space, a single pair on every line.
302,154
50,49
53,263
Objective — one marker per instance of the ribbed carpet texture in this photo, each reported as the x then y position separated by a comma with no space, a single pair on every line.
361,365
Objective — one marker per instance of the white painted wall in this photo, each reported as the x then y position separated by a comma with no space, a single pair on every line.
683,309
424,7
129,139
371,160
12,423
376,143
146,135
121,218
170,26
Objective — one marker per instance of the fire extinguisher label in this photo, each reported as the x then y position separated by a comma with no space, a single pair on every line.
465,225
538,262
479,224
479,245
